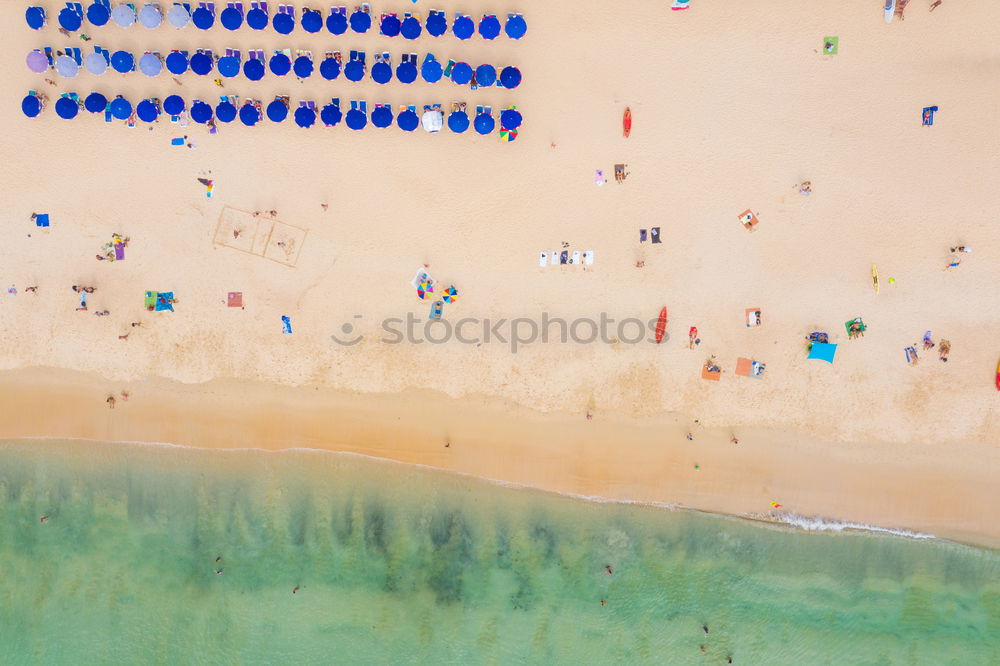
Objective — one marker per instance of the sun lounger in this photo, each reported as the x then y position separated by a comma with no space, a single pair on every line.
911,355
553,257
564,257
575,259
642,235
753,317
543,259
654,235
588,257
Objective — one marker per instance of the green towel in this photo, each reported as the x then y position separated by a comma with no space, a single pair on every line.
151,299
834,43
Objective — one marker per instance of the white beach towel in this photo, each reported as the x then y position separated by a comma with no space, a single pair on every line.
554,257
421,276
588,257
543,259
575,259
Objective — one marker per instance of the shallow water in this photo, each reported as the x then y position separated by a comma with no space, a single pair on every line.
402,565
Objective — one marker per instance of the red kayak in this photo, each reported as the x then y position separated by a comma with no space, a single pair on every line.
661,325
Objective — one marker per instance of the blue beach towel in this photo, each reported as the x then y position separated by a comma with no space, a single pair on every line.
42,220
286,324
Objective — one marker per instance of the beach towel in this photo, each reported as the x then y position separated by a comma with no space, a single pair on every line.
860,327
119,251
554,257
234,299
744,366
822,351
654,235
83,301
679,5
437,307
599,178
753,317
710,375
563,257
543,259
42,220
177,141
163,299
150,302
911,355
748,219
286,324
642,235
927,115
588,257
420,277
834,45
575,259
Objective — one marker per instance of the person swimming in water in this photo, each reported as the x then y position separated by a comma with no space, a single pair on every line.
607,569
43,519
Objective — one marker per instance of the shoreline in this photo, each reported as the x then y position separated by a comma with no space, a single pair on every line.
645,461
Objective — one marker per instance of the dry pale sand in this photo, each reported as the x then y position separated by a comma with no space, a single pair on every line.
733,104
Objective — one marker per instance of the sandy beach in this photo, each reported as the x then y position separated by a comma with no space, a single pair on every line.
733,107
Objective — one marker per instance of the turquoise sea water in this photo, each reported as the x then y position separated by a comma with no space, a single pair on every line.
403,565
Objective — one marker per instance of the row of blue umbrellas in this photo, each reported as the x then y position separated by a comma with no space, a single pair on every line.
201,63
277,111
233,18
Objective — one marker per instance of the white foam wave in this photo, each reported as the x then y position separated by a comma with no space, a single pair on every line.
821,524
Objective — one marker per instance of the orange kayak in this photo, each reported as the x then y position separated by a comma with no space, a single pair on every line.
661,326
627,122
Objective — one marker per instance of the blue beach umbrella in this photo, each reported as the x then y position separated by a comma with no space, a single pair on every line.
489,27
381,72
31,106
329,69
303,67
201,112
406,72
35,17
173,105
150,16
150,65
257,18
330,115
225,111
146,111
67,108
510,119
390,27
461,73
360,21
231,18
354,70
96,63
437,24
283,23
70,20
177,63
280,64
431,71
123,15
277,111
122,61
381,116
408,120
312,21
178,16
120,108
249,115
95,102
202,18
201,64
410,28
458,121
486,75
356,119
336,23
516,27
305,117
510,77
229,66
254,69
463,27
484,123
98,15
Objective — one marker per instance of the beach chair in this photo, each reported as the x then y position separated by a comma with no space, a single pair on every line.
911,355
76,55
447,70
